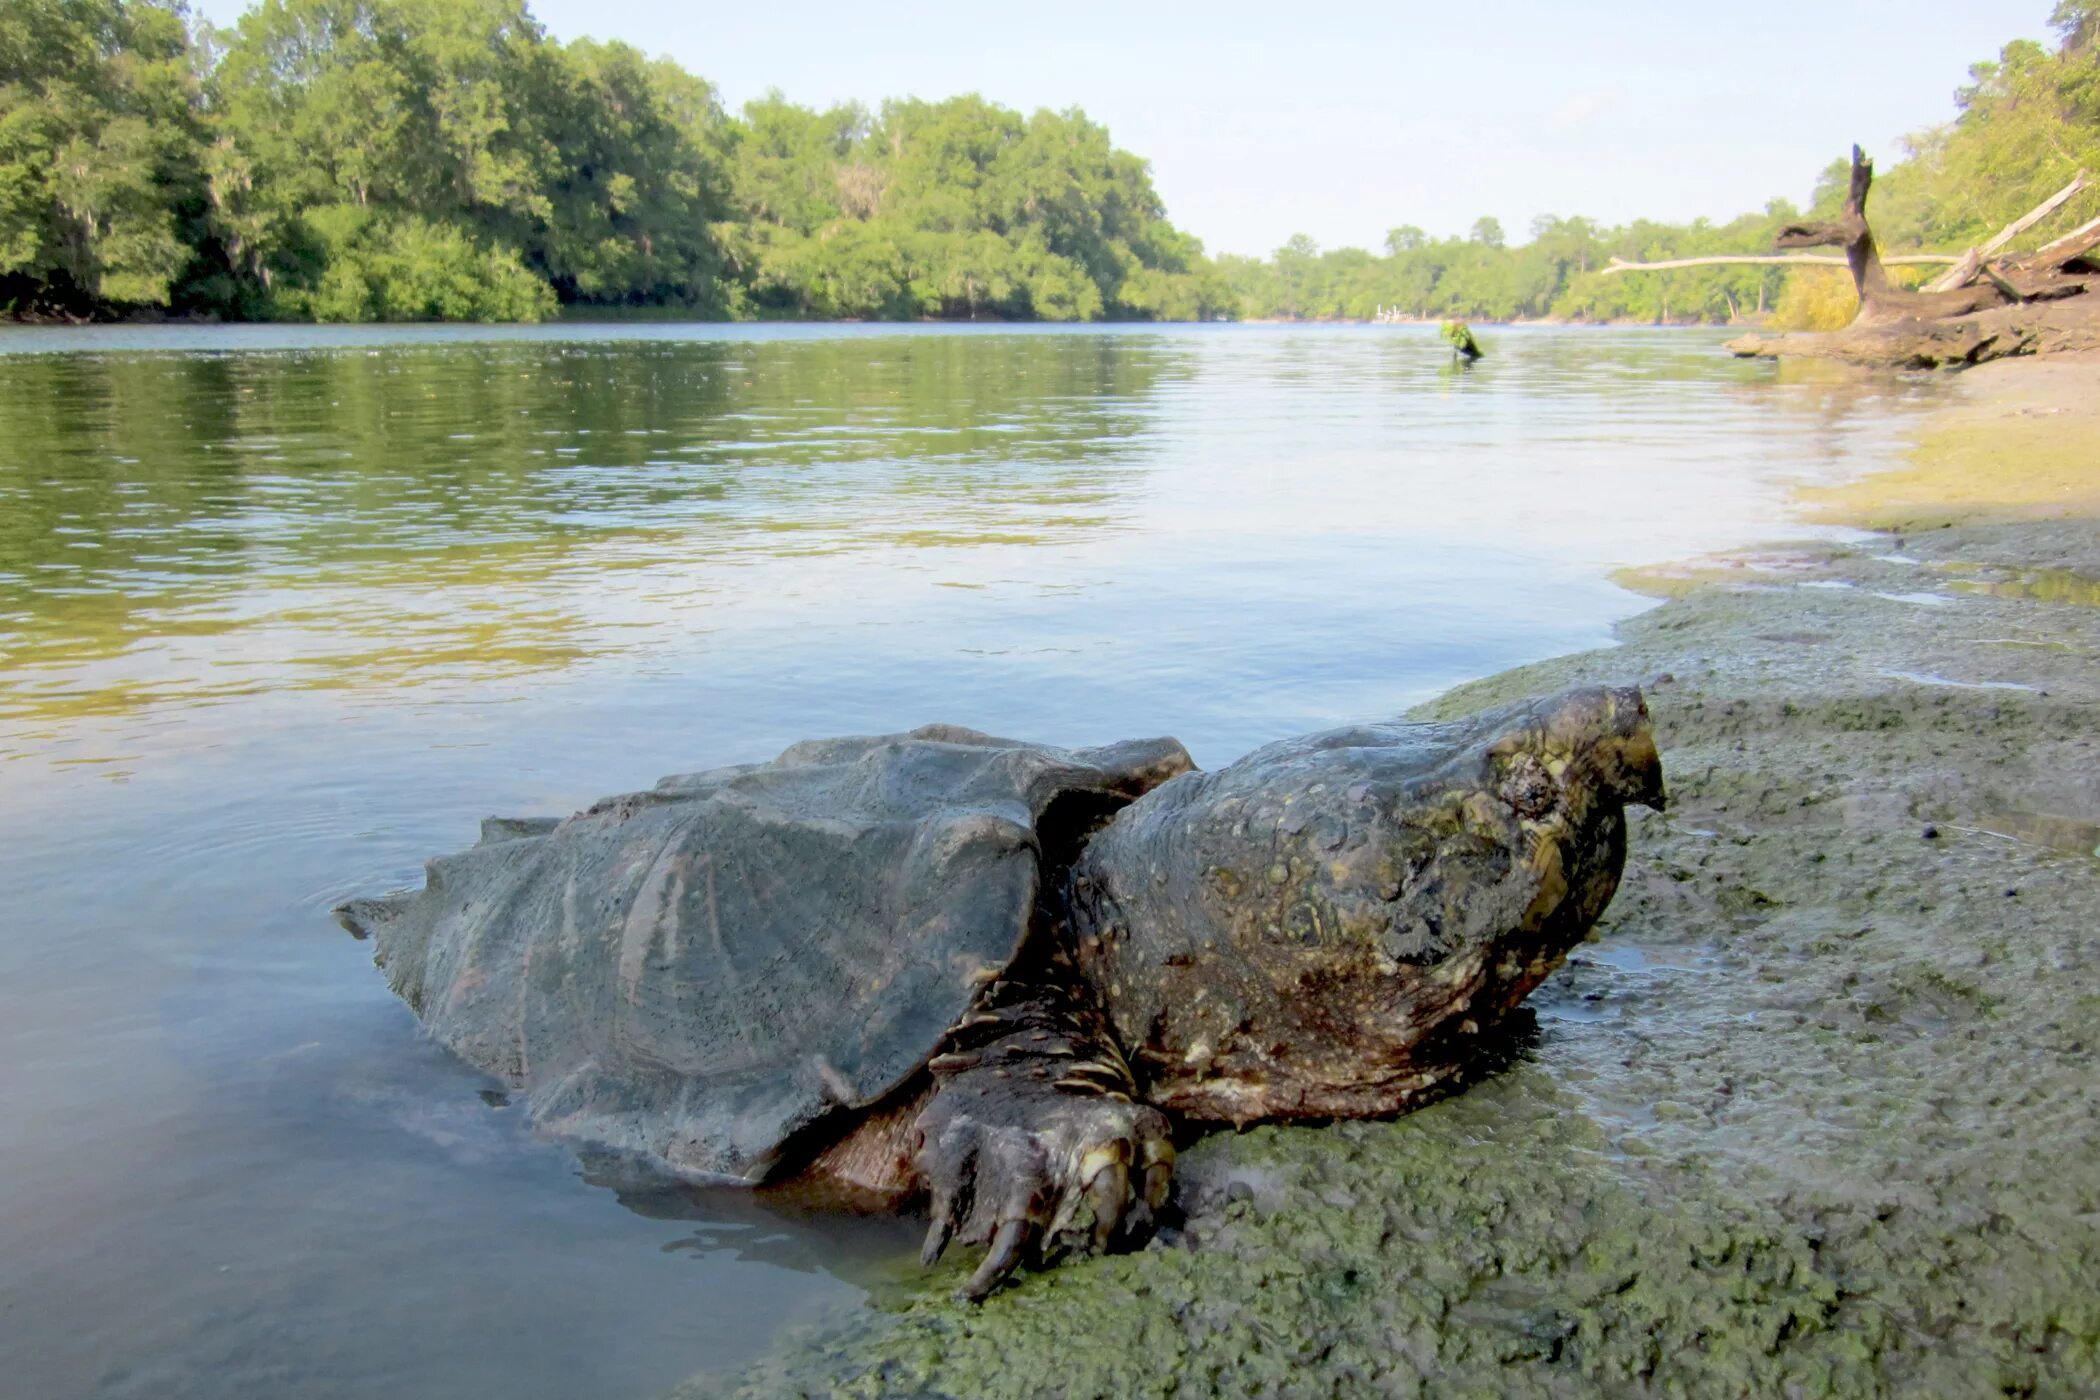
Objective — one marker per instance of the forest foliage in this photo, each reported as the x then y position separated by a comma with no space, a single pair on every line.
351,160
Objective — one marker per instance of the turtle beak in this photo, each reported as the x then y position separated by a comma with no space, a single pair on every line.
1634,762
1646,769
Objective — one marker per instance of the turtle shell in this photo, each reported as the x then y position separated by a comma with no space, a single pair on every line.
696,974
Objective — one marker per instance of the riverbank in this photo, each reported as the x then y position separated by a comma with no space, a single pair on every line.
1812,1115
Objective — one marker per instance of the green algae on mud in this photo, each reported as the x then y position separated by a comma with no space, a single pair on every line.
2049,585
1813,1116
1485,1233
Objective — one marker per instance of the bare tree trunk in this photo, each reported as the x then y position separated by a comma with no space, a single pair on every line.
1850,232
1880,304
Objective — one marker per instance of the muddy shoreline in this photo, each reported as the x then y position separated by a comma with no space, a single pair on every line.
1813,1115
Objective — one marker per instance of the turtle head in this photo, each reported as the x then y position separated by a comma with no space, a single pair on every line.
1335,925
1595,742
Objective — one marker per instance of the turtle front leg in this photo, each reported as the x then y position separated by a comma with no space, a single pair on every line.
1034,1117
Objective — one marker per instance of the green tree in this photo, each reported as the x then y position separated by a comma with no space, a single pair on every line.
422,118
1404,239
786,167
100,146
954,208
639,180
2029,120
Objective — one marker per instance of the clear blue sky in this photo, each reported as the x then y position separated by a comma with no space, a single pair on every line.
1343,120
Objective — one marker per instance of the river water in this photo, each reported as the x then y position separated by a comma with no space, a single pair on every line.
285,611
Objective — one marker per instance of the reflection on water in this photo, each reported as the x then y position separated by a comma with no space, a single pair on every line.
183,527
283,612
803,1226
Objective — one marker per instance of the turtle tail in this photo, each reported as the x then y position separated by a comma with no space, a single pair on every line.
365,918
399,927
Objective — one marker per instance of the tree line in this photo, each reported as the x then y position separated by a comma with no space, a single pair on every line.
1481,277
351,160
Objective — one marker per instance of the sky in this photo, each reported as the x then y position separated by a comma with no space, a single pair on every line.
1344,120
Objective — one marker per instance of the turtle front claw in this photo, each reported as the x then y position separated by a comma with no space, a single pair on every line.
1035,1169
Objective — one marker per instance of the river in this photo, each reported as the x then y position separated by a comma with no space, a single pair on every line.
284,611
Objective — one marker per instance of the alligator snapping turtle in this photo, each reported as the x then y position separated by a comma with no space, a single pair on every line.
946,967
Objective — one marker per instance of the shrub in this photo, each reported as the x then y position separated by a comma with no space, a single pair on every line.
1815,299
375,267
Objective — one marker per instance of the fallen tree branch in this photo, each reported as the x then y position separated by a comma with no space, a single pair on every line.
1768,260
1965,271
2075,244
2046,287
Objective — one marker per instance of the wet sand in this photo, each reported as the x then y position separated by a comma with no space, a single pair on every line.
1814,1114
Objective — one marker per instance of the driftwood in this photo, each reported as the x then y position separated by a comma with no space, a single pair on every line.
1768,260
1880,302
1977,311
2071,247
1972,261
2033,328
